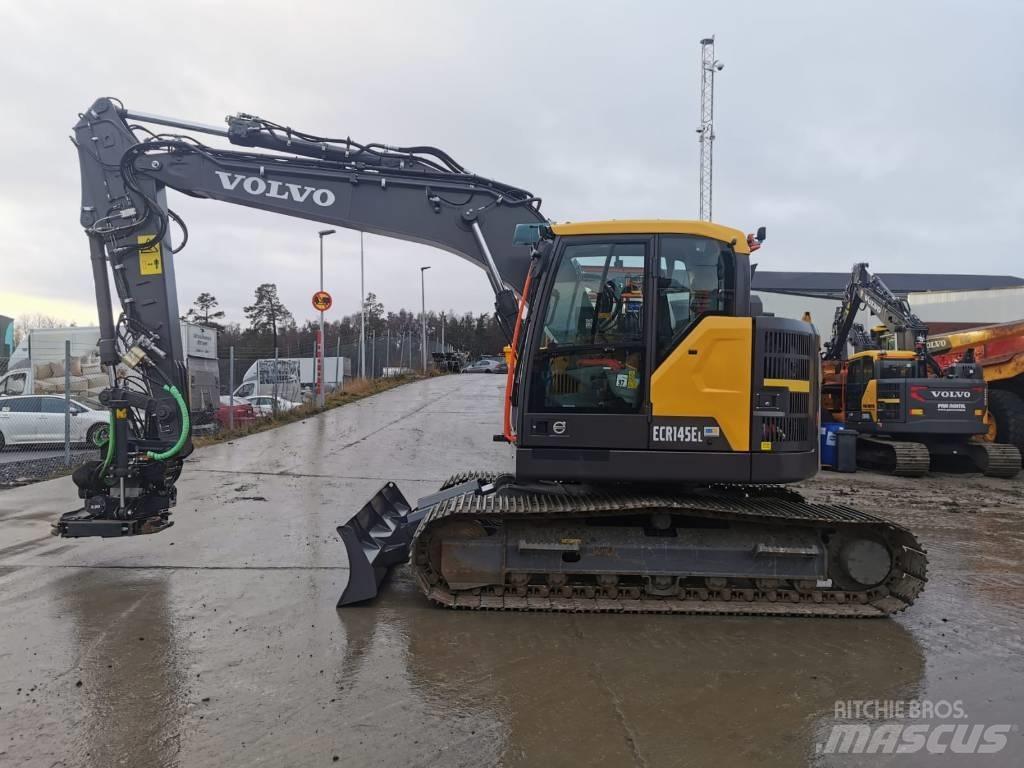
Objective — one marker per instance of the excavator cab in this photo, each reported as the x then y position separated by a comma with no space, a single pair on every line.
647,364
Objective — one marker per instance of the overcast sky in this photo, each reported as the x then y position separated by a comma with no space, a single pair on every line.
887,132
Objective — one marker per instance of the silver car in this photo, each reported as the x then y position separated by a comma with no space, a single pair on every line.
486,365
40,419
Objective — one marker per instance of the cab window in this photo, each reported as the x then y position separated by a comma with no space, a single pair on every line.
591,352
14,384
897,369
696,277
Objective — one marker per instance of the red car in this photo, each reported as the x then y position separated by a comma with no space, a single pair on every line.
244,415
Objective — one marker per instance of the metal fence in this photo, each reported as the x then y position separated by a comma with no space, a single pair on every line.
50,416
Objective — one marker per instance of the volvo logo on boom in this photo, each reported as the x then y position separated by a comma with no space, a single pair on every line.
278,190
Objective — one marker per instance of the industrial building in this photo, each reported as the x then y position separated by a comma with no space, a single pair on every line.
945,302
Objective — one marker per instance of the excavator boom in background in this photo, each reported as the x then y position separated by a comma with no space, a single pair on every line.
651,408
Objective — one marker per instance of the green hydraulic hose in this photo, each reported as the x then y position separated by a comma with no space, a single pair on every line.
174,449
110,446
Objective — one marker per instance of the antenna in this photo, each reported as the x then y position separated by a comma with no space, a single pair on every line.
709,65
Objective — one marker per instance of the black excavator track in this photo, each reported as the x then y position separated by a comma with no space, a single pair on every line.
902,458
995,459
769,508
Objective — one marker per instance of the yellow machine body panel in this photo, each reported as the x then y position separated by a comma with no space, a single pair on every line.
709,374
869,401
884,354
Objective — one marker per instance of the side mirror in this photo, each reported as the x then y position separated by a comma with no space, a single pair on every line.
527,234
761,234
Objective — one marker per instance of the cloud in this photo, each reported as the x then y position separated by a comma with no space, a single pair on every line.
877,130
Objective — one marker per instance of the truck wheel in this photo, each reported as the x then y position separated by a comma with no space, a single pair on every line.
3,441
98,435
1007,410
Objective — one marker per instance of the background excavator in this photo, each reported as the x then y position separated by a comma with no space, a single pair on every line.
651,406
908,409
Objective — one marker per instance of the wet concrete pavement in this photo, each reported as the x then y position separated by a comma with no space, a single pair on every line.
217,642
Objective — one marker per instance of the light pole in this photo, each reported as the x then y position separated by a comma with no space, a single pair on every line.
320,341
362,313
423,314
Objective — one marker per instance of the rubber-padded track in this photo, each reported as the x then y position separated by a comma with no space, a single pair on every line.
750,504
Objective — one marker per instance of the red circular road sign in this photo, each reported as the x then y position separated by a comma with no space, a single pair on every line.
322,301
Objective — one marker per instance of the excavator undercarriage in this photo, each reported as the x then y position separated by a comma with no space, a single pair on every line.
487,542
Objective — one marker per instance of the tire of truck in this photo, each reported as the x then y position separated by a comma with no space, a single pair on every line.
3,441
97,435
1007,409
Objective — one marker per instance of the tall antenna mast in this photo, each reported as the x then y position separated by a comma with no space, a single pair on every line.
709,65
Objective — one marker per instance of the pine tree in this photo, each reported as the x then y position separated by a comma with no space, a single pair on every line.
202,311
267,313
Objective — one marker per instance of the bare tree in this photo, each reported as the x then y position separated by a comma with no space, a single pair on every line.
33,320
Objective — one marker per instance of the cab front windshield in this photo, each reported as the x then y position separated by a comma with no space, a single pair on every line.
591,356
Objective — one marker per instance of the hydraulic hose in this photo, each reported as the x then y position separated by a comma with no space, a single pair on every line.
110,447
183,436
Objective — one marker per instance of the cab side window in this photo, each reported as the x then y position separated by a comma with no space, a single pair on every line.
14,384
696,277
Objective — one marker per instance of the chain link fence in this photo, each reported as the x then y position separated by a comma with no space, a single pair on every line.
50,416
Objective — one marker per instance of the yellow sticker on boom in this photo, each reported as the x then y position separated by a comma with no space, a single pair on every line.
766,445
150,260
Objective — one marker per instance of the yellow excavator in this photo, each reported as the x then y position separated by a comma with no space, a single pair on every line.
653,409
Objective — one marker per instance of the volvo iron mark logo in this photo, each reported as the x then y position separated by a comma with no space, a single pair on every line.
558,427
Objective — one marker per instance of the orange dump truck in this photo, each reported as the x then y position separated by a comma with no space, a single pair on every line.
999,349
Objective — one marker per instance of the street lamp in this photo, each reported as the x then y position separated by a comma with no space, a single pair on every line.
320,345
362,313
423,314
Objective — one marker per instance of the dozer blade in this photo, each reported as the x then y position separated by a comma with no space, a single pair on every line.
376,538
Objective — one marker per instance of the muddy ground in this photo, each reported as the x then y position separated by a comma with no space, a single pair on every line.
218,643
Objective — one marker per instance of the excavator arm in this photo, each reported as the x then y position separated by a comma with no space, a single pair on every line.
867,290
420,194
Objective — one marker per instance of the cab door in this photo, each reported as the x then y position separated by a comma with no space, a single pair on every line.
586,385
858,373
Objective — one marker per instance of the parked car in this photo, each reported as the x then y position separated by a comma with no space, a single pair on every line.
486,365
244,413
263,405
40,419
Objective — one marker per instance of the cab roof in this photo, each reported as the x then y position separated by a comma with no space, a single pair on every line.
655,227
